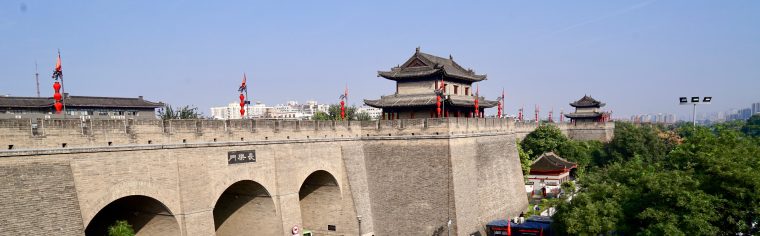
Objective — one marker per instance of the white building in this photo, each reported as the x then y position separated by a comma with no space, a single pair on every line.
292,110
232,111
374,113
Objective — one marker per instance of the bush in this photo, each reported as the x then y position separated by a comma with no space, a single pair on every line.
121,228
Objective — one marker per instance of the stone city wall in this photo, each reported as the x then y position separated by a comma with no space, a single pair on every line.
400,177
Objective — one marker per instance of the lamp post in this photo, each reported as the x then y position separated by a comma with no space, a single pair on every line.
359,219
448,227
694,102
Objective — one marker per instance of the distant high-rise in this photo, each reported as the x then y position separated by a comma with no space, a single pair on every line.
755,108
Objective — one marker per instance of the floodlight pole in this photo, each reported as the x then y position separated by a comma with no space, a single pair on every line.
694,115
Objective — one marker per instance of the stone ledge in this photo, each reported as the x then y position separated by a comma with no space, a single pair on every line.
141,147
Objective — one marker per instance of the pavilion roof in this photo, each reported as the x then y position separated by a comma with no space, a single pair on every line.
576,115
427,99
587,101
423,64
551,162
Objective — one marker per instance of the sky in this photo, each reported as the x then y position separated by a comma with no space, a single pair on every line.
637,56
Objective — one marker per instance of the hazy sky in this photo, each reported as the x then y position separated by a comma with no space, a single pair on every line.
637,56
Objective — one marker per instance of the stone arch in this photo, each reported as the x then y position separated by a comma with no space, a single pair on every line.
322,205
124,189
147,216
245,208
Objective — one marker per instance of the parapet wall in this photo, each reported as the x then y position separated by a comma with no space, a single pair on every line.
62,133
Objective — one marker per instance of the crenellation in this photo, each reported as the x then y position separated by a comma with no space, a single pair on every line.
52,133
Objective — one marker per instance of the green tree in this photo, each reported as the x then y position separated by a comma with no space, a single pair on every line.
706,182
634,197
580,152
363,116
321,116
121,228
524,161
752,127
631,140
333,113
545,138
727,165
185,112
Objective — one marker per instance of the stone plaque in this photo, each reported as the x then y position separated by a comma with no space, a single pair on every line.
237,157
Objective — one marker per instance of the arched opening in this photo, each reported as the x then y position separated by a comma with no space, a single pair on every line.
321,208
146,215
246,208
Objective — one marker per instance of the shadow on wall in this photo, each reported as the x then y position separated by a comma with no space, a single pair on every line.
246,207
321,204
147,216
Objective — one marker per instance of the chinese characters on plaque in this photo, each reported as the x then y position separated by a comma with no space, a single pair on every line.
238,157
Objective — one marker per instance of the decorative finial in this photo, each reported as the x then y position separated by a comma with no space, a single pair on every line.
417,50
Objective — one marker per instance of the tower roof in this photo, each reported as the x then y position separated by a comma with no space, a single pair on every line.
423,64
418,100
587,101
78,101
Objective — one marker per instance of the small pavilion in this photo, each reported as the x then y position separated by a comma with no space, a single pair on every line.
548,172
588,110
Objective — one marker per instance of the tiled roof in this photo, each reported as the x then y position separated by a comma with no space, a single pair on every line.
551,162
587,101
423,64
413,100
576,115
77,101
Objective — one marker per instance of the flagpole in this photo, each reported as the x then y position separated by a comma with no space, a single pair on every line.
63,88
247,113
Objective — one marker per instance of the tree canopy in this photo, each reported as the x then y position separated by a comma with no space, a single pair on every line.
653,181
333,113
545,138
185,112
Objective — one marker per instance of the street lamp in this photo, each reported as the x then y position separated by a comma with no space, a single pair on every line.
694,102
448,227
359,218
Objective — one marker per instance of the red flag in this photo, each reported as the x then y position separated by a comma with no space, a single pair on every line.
58,73
58,63
243,86
345,92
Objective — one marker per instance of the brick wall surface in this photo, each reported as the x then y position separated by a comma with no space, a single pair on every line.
38,198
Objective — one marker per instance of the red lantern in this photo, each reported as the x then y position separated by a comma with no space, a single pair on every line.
57,96
58,107
499,111
242,105
342,110
438,105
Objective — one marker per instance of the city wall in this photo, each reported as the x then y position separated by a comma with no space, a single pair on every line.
400,177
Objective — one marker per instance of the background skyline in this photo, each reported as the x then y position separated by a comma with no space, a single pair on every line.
637,56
